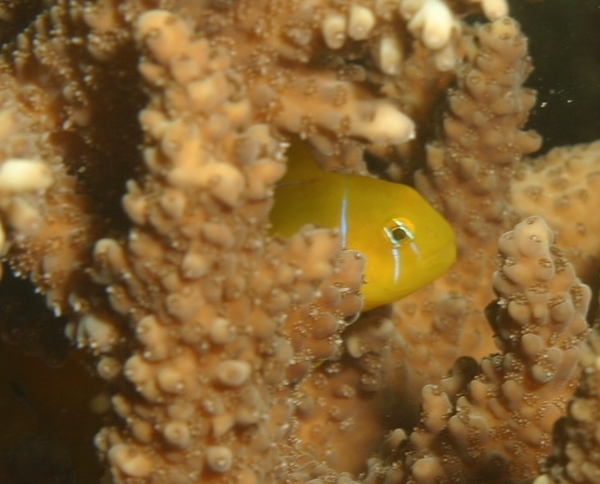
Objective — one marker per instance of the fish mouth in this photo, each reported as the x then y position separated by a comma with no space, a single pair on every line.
441,259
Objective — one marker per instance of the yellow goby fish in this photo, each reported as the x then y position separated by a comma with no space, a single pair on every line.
405,241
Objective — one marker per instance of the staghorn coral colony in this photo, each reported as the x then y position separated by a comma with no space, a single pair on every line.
141,141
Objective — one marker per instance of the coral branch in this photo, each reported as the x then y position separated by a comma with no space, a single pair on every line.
497,426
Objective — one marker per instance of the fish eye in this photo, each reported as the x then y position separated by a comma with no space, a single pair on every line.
399,232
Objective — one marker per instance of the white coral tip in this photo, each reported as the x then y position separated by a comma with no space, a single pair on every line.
445,58
494,9
435,22
388,125
19,175
361,22
390,55
334,31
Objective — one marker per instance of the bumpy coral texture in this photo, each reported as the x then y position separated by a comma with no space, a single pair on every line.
575,456
499,424
141,142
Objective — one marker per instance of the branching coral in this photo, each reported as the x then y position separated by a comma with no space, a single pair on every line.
141,144
575,457
496,426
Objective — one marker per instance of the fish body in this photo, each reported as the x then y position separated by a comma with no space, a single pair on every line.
405,241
